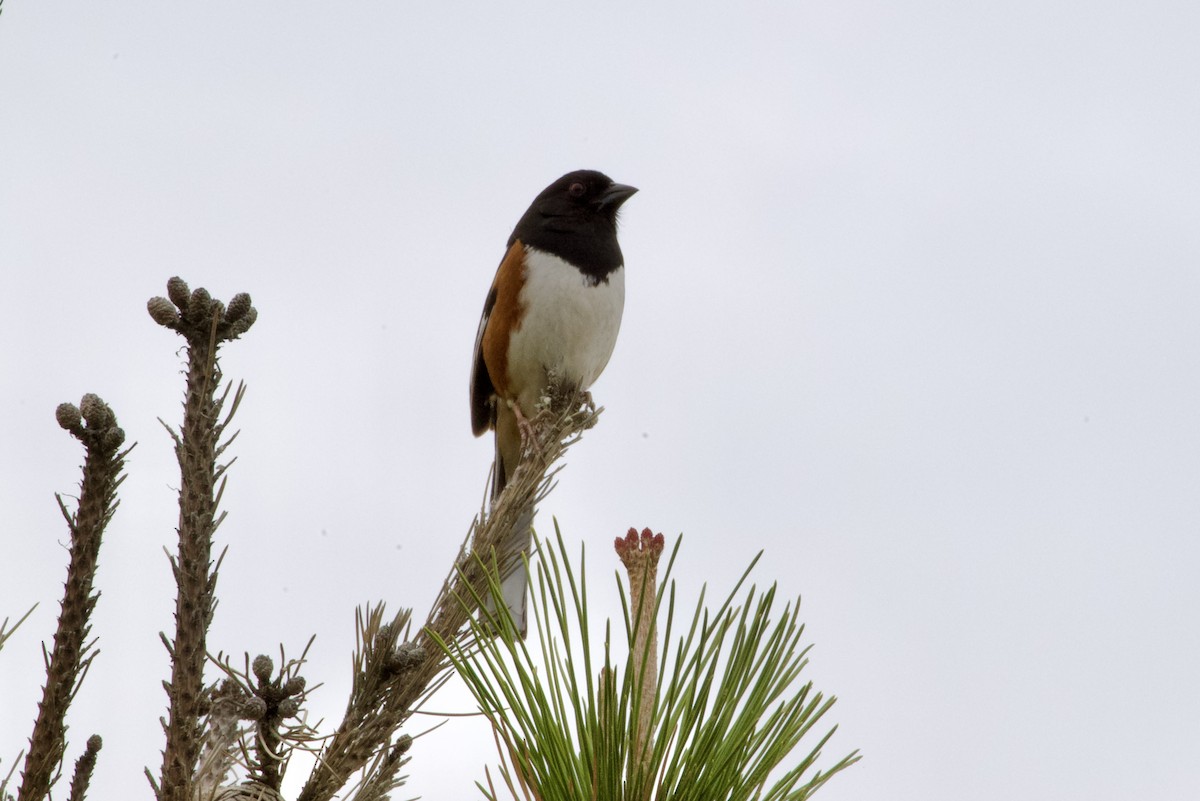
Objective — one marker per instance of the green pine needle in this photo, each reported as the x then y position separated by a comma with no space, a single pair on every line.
729,712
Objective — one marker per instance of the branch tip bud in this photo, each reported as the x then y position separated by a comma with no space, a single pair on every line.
178,292
68,416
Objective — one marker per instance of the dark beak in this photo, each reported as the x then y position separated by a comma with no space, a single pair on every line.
615,195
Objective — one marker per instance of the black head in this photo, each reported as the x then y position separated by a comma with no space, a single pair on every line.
575,218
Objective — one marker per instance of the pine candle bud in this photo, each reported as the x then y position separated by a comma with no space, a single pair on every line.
68,416
163,312
239,305
242,324
113,438
178,292
200,304
95,411
263,667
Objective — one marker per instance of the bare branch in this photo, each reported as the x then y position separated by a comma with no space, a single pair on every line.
94,424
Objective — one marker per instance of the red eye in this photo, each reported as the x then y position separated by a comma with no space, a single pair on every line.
576,189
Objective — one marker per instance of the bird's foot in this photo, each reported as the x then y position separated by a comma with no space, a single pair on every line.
528,435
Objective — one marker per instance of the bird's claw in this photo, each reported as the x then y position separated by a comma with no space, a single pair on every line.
528,435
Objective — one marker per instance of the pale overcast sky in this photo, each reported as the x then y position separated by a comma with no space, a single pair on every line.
913,306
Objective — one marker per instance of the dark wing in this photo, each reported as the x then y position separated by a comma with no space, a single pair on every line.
482,391
501,315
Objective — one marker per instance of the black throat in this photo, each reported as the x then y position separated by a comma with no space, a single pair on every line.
589,244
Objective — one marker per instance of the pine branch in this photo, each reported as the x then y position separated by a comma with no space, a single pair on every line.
392,678
94,424
84,766
382,776
204,323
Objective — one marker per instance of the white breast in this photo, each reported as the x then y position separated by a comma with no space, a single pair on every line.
570,326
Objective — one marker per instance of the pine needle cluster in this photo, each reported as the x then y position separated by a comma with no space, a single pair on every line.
717,712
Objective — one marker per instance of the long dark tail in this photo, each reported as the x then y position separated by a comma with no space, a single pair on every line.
514,577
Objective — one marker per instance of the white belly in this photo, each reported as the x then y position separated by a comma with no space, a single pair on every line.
570,326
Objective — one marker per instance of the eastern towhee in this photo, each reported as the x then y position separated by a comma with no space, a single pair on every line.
555,306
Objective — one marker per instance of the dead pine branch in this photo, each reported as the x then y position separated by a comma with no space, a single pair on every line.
94,424
392,677
205,323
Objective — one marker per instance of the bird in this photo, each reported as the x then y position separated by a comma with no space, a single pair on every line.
554,307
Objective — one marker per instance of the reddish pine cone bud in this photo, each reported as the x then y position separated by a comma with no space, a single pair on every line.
646,547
